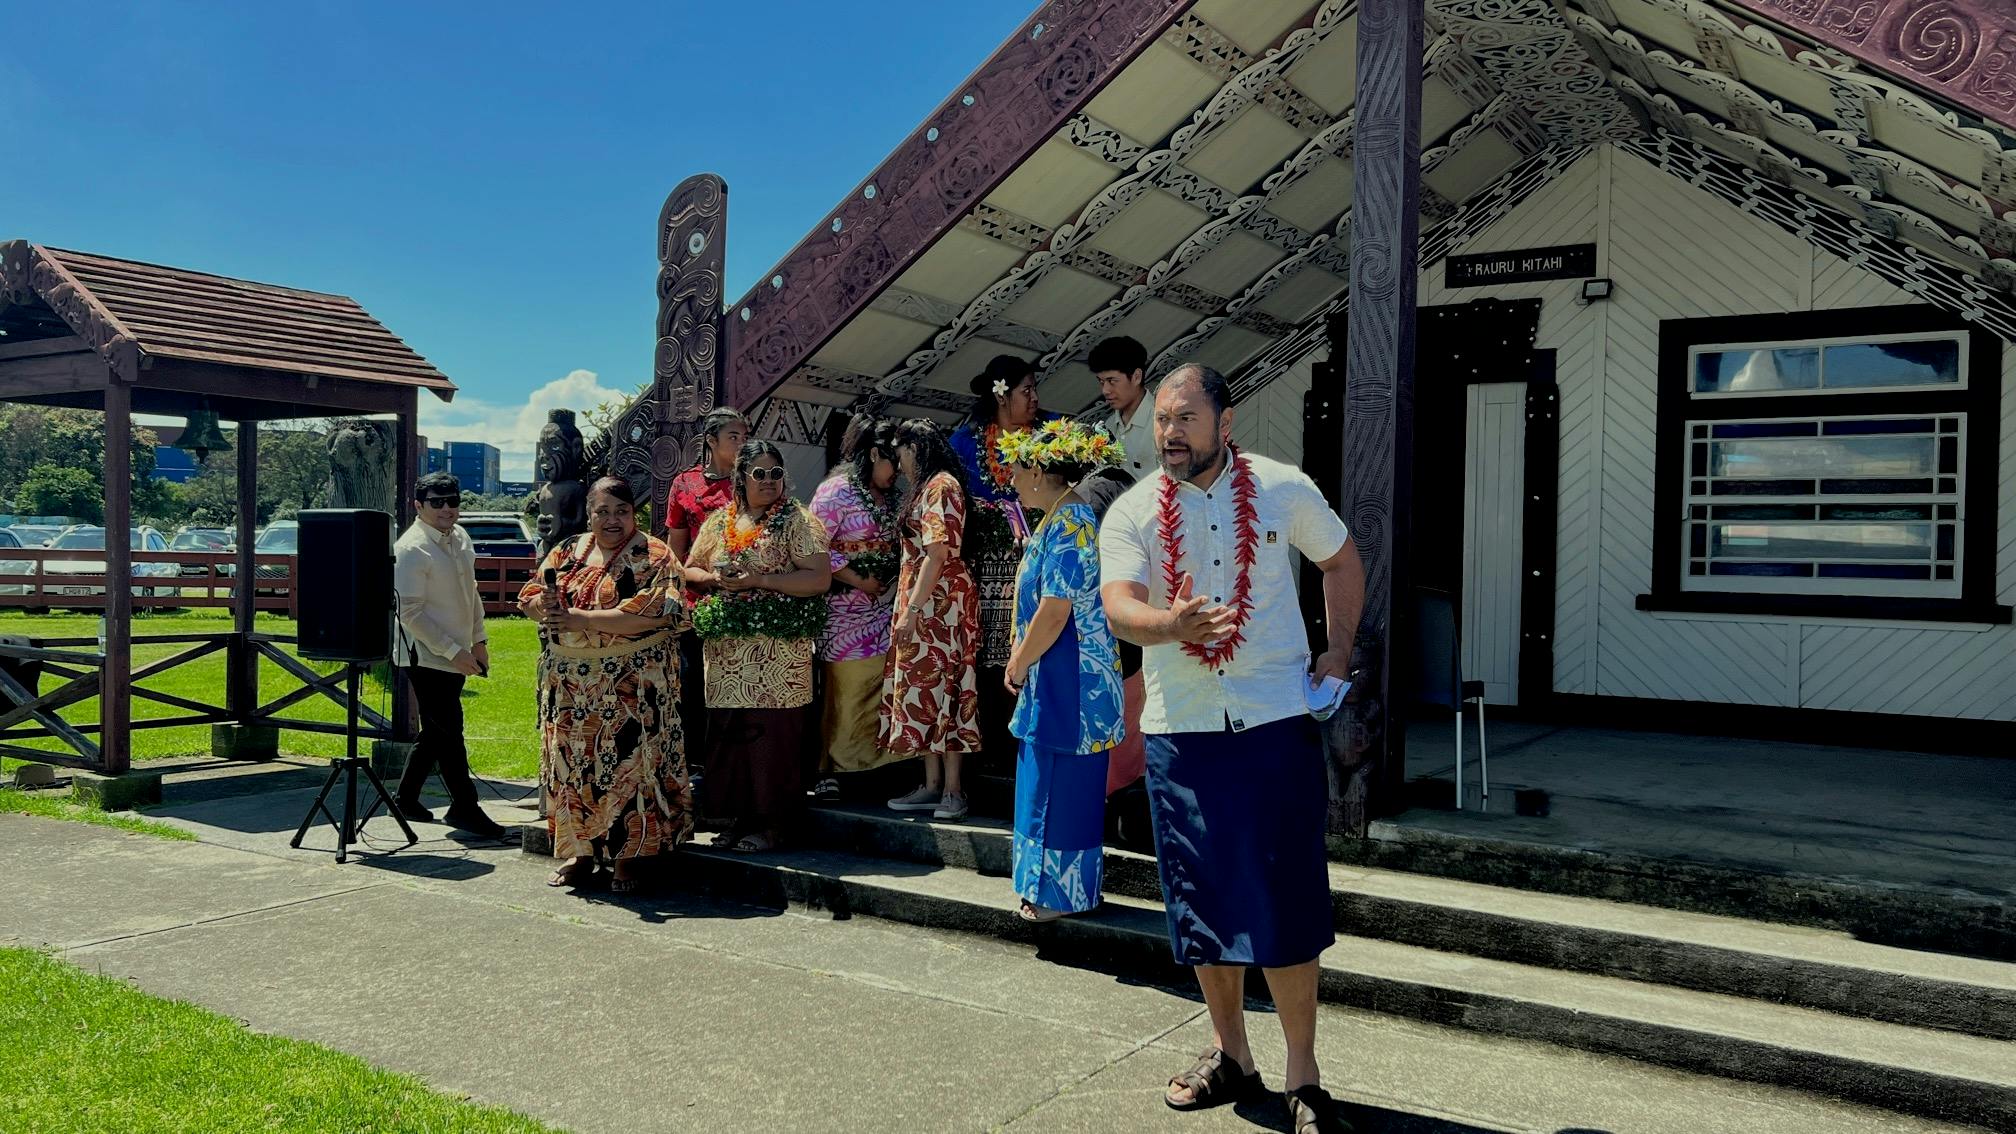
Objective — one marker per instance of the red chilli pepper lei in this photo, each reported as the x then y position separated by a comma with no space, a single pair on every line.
1245,552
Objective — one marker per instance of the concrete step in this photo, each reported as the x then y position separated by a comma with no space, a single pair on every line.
1524,853
1918,1071
1824,970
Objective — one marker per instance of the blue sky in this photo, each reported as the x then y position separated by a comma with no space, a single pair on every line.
484,178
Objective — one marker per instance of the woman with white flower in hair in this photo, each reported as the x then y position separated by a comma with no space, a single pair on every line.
997,523
1064,671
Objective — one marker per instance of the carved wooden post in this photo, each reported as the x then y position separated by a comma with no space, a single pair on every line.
115,705
652,441
1379,388
241,681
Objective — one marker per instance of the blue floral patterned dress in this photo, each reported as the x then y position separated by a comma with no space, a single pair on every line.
1068,717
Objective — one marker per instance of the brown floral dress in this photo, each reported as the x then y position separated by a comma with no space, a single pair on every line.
612,759
930,699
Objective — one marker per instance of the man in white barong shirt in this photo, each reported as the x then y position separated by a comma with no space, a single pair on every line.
1259,693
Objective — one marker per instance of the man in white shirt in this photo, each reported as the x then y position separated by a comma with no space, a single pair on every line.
441,642
1198,567
1120,364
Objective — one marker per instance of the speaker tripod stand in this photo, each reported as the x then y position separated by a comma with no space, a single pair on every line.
345,771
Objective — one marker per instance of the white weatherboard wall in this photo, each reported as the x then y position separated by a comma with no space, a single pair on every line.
1676,252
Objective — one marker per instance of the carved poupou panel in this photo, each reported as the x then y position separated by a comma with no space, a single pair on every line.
654,437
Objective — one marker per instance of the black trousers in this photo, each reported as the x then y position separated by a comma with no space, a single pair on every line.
439,746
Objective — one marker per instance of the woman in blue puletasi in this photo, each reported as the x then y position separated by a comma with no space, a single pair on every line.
1064,671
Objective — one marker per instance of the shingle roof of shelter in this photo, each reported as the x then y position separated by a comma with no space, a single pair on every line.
129,312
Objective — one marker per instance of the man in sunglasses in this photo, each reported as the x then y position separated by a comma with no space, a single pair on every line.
441,642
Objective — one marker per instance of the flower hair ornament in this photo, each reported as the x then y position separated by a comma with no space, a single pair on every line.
1062,442
1000,388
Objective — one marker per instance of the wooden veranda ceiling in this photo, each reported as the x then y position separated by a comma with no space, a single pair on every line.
135,315
1197,194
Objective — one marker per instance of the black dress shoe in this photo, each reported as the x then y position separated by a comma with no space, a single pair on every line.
412,812
474,822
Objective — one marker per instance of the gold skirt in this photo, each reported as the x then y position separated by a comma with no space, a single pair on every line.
850,718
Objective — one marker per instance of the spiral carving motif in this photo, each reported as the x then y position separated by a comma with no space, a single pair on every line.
1935,38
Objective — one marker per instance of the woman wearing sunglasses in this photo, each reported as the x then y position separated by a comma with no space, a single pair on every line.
762,564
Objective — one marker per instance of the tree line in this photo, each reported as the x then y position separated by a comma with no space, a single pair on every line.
52,463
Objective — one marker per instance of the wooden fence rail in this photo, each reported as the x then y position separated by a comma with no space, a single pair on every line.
59,579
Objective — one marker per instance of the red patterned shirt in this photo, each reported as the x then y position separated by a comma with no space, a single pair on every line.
693,498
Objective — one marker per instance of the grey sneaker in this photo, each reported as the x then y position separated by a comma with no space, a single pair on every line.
923,799
952,806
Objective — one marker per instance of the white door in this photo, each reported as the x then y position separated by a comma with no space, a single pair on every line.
1493,518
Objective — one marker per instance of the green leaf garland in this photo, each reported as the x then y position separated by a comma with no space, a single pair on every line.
760,614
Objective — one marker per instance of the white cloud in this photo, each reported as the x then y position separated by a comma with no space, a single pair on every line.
514,429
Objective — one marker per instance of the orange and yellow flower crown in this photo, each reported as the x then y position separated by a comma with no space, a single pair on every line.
1062,442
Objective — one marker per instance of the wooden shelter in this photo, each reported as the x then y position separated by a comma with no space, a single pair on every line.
1268,187
94,332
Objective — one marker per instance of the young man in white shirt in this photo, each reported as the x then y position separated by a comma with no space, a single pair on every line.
1120,364
441,642
1198,567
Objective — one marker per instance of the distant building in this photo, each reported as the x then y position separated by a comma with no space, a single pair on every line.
474,464
176,465
515,488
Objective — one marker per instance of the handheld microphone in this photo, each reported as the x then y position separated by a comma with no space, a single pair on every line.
551,578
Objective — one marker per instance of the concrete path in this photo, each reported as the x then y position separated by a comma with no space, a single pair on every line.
672,1012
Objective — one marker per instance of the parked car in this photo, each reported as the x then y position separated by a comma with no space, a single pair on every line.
86,538
281,537
499,533
13,566
504,535
35,535
199,539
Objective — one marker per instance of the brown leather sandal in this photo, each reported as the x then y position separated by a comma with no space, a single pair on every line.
1213,1080
1311,1110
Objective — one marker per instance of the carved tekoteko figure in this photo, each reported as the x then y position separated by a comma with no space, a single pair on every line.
362,465
561,501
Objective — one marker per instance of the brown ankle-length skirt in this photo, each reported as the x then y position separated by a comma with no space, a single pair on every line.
755,767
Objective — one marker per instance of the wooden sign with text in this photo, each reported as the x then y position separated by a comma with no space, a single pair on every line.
1523,265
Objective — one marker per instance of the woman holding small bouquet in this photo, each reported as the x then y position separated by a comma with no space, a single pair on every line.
762,562
1064,672
930,694
857,504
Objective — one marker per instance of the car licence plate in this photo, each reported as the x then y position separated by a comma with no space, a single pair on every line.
76,590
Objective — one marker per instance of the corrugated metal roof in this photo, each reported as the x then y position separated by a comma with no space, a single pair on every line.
175,313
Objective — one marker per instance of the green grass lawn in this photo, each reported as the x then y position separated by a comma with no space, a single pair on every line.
500,719
51,805
88,1054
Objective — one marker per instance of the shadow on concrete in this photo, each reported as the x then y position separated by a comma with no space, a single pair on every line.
394,859
1271,1113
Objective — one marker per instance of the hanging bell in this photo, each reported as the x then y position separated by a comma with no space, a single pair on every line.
202,435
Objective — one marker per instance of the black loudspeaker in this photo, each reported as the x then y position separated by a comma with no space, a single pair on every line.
343,574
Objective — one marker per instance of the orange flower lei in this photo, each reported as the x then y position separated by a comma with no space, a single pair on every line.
997,470
734,535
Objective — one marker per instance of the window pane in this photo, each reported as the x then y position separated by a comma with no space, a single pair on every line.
1821,541
1830,456
1893,364
1753,371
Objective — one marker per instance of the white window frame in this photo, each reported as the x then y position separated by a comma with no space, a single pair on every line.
1816,584
1958,338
